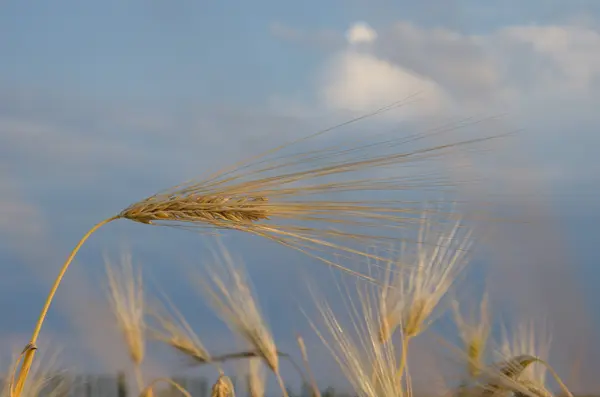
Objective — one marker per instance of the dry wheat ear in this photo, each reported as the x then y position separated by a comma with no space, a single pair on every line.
306,200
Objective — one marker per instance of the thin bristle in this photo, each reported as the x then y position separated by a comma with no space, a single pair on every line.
412,293
528,338
369,366
326,203
126,296
174,331
45,377
233,300
223,387
474,332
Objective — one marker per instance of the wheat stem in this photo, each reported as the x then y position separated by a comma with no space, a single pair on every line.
28,360
403,358
281,385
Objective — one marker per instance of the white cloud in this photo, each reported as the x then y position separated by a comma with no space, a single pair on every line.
360,82
361,32
506,69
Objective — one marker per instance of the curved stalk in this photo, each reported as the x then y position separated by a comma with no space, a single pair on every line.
28,360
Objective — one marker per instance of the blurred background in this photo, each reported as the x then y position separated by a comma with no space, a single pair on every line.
104,103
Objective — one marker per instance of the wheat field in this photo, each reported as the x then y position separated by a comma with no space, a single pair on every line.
343,207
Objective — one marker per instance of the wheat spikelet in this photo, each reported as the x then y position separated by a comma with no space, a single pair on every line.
223,387
126,297
174,331
411,294
474,333
523,367
527,339
233,300
504,376
322,202
215,210
371,367
127,301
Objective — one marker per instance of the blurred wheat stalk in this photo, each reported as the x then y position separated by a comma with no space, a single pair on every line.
293,200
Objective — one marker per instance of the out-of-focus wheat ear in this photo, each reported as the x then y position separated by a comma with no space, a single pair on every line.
528,338
474,333
127,301
502,377
45,375
313,383
223,387
421,278
173,330
232,299
148,391
534,389
370,366
507,376
322,202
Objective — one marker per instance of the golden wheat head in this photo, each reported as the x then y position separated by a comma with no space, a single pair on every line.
223,387
173,330
333,200
474,333
126,296
233,300
411,294
325,202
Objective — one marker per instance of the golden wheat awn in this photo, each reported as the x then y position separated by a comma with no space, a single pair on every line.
301,200
223,387
528,338
126,296
367,364
233,301
505,376
523,364
174,331
313,383
474,333
408,300
45,377
410,295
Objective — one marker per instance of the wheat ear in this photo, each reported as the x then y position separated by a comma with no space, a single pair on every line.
241,198
234,302
127,301
474,333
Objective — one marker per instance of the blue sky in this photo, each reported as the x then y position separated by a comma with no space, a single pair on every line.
102,104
